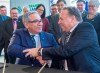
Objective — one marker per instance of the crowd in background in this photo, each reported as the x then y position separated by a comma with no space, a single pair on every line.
9,24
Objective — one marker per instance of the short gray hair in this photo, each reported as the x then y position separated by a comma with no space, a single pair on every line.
95,2
26,16
74,11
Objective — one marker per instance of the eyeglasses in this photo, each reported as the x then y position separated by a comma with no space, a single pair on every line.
40,10
91,6
35,21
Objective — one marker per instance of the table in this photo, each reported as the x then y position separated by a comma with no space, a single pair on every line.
12,68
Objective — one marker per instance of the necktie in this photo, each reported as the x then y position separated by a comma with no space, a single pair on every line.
33,40
15,24
34,46
65,38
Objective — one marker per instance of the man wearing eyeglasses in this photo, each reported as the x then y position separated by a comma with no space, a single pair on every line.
23,39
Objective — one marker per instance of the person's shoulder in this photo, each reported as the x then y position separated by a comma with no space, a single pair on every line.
46,33
85,25
21,30
98,15
7,21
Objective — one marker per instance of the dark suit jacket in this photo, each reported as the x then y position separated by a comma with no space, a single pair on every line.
54,27
81,51
84,13
7,27
2,19
22,40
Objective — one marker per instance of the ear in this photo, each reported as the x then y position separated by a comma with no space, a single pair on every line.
26,25
73,18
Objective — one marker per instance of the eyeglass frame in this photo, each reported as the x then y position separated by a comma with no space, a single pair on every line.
35,21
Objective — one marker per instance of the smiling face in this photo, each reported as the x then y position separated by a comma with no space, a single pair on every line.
40,10
54,10
14,14
92,8
35,24
66,21
60,5
81,6
3,11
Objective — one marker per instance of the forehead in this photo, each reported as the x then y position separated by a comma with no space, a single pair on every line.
2,8
25,8
14,11
35,16
53,6
61,3
90,3
64,13
41,7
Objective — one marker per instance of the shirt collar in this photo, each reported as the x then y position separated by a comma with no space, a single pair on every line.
34,34
74,27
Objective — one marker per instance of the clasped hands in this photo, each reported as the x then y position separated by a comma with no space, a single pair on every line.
34,53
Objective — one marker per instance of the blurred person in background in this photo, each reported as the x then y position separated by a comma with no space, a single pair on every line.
54,27
93,16
8,27
81,6
3,17
54,10
42,12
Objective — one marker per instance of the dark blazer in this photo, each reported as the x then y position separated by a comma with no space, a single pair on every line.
2,19
95,22
22,40
54,27
81,51
8,31
84,13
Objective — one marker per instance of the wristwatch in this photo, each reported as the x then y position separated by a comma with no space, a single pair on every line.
39,52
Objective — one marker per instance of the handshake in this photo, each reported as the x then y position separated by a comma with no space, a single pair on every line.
34,53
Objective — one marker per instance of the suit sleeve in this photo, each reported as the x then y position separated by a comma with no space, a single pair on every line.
6,35
14,48
80,40
54,22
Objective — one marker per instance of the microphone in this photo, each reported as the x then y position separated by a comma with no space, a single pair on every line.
42,68
4,66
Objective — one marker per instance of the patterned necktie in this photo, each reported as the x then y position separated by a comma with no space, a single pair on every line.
15,24
33,40
32,60
65,38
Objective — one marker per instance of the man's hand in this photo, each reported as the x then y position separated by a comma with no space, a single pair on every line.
39,58
31,52
59,40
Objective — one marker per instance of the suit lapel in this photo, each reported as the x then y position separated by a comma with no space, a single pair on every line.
10,26
42,39
28,38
